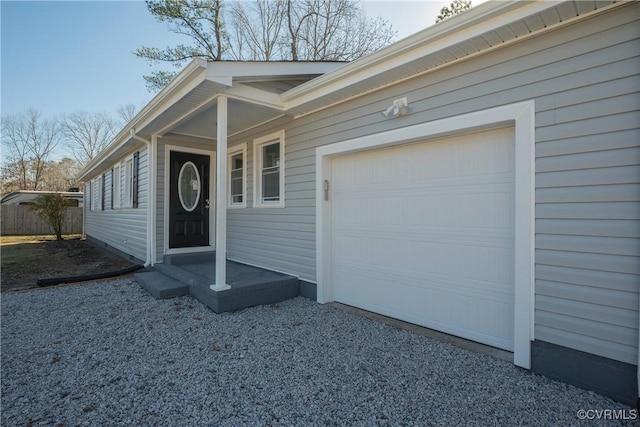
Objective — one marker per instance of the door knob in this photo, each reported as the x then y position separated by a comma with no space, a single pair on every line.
206,203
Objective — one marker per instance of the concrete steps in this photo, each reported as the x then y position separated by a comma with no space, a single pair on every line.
160,285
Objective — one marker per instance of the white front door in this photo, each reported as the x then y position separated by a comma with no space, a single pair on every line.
424,233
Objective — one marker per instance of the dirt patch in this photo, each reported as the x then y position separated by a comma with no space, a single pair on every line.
25,259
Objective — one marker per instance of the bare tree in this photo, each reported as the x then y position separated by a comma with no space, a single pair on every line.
30,140
87,134
265,30
60,175
258,27
338,30
12,176
296,16
126,113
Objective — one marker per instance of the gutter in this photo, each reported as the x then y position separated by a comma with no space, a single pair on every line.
151,145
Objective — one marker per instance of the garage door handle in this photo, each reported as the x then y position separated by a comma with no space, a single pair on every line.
326,189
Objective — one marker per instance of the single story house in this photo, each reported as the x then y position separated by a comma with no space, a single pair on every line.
481,178
27,197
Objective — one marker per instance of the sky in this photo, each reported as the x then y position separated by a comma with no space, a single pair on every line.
66,56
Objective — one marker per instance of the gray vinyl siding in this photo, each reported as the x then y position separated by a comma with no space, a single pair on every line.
124,228
282,239
182,141
584,80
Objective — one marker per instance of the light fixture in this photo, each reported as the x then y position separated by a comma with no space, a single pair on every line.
398,108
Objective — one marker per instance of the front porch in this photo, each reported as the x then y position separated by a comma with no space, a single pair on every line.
193,274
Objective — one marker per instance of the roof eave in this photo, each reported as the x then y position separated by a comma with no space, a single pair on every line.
195,70
199,71
478,20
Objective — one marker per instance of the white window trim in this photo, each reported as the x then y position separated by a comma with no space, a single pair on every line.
126,202
116,194
522,117
238,149
276,137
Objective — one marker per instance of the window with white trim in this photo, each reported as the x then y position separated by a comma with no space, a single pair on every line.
269,171
128,183
237,170
115,195
96,194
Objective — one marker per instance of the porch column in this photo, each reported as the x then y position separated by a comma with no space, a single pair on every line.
221,197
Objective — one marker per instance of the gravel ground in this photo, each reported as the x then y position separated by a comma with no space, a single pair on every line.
107,353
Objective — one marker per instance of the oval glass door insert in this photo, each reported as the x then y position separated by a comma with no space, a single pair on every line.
189,186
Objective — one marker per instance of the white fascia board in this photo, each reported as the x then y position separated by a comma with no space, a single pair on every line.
246,93
167,96
458,29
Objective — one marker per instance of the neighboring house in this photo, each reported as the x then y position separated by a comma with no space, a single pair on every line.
501,204
27,197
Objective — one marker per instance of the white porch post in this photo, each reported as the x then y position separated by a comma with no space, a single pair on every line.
221,197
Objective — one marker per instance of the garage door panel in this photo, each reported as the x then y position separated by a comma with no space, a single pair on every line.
397,279
491,207
425,233
413,186
432,302
490,264
480,154
490,261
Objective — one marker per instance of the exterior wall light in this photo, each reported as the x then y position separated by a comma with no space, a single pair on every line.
398,108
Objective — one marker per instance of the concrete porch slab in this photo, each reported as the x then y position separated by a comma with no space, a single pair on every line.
250,286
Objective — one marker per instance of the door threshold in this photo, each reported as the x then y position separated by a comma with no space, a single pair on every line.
190,250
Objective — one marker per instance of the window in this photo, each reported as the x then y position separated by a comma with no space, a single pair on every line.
96,194
237,177
129,187
115,187
269,171
128,182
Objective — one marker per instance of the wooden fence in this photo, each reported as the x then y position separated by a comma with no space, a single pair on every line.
21,220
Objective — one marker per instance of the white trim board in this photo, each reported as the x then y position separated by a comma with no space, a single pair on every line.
233,151
522,117
212,194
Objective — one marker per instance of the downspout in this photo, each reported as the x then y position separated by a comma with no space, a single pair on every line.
84,211
153,196
150,189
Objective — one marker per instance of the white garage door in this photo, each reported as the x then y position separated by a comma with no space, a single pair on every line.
425,233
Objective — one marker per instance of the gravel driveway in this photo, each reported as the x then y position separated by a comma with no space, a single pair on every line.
107,353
